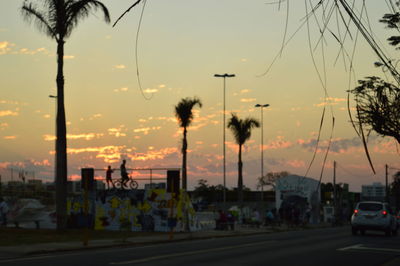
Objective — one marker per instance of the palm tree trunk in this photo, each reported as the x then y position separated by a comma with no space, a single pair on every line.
184,177
61,144
184,159
240,176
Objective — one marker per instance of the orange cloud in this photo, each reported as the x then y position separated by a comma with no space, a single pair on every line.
154,154
109,154
5,47
74,178
146,130
248,100
148,90
27,51
9,137
124,89
120,66
8,113
117,132
330,101
10,102
42,163
4,165
88,136
3,126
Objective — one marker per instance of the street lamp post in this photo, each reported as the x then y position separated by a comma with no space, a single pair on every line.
262,147
223,132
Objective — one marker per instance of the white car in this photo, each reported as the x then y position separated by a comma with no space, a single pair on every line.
373,215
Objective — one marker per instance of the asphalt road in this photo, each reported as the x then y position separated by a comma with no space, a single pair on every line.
332,246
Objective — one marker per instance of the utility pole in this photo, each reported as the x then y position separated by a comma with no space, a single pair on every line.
386,183
334,184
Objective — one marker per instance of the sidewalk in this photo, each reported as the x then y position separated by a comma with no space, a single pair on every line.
8,252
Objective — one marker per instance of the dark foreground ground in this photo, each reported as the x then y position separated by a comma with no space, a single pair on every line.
326,246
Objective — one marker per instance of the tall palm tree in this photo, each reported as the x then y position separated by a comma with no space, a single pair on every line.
241,130
57,19
184,114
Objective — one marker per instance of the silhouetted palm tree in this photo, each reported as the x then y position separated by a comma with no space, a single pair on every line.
241,130
57,19
184,114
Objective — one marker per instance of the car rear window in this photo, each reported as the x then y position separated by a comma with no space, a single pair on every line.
370,206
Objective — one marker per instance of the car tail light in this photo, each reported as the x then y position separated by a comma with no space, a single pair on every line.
384,213
355,212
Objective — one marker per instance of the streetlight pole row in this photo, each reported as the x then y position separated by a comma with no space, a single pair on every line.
224,76
262,148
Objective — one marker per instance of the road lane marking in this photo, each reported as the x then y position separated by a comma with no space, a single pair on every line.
350,247
196,252
360,247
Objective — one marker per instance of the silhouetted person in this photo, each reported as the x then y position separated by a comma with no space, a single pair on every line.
221,223
109,177
256,218
124,174
3,211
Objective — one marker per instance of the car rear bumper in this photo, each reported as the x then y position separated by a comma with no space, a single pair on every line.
371,227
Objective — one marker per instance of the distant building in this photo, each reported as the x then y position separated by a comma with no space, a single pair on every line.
34,184
15,184
299,191
374,192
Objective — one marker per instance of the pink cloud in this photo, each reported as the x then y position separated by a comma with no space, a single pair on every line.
279,143
296,163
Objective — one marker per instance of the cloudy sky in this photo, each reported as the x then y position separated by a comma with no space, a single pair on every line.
181,45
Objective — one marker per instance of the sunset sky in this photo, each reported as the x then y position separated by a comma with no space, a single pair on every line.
182,44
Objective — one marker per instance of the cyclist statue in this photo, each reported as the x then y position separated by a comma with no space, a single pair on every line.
124,174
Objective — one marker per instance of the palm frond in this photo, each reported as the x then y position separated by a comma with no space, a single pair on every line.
241,129
32,14
183,110
77,10
123,14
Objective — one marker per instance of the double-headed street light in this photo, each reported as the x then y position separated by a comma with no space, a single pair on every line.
224,76
262,148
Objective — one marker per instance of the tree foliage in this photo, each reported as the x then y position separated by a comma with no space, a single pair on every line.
395,189
184,114
378,101
241,130
57,19
270,179
378,106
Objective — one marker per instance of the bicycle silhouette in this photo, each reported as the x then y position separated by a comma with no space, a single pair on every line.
124,183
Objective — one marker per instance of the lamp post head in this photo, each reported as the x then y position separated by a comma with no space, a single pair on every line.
224,75
52,96
261,105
